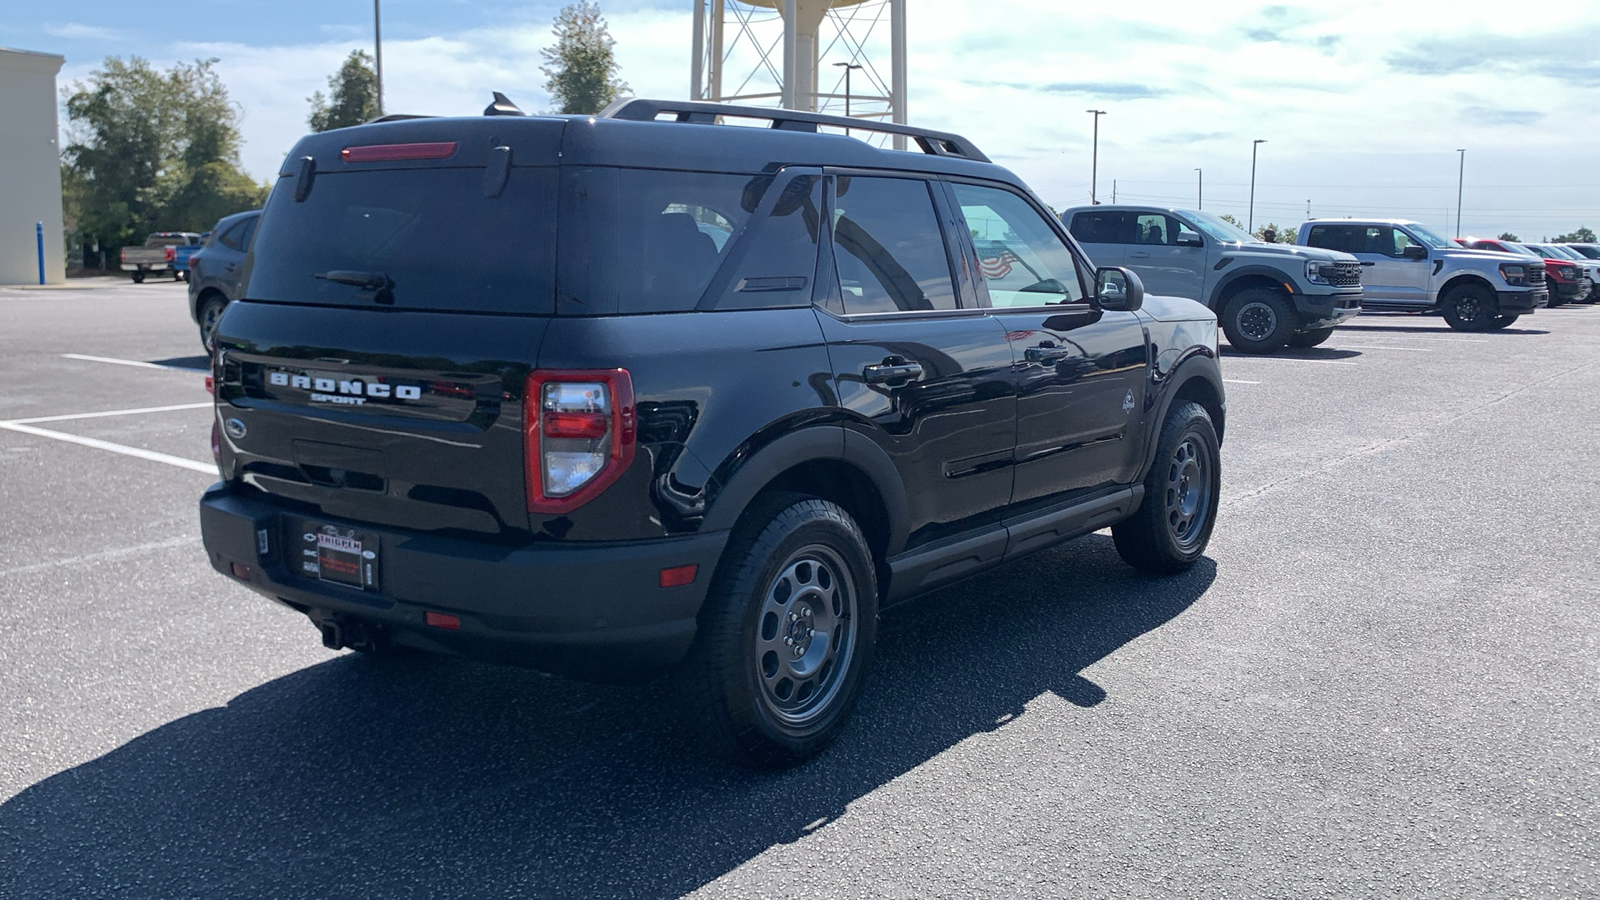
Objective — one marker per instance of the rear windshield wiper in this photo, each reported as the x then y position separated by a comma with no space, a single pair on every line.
371,280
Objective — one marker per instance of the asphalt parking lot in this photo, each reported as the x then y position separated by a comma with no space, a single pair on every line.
1381,682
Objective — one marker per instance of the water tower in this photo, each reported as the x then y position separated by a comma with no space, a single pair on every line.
783,52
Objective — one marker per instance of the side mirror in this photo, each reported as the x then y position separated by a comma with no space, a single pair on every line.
1415,251
1190,239
1116,288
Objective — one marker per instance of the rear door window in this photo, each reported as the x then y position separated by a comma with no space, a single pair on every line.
888,247
425,238
1104,227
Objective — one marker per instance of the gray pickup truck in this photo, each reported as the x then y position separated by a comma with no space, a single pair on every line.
1264,295
162,251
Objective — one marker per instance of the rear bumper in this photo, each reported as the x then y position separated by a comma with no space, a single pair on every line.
1326,310
593,610
1522,301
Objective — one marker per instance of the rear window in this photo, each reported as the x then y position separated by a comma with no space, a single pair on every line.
425,238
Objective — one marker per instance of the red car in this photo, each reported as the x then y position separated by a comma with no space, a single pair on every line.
1569,282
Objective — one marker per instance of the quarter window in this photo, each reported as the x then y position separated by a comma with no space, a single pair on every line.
888,247
1021,258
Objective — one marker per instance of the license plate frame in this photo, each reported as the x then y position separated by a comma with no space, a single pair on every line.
333,554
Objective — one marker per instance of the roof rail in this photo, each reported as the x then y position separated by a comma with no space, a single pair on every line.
937,143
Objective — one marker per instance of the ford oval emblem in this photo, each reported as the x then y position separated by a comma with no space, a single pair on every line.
235,428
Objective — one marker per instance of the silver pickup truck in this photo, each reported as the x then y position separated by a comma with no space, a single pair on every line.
1264,295
163,251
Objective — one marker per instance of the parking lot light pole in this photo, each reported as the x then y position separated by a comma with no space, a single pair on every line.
1199,189
377,45
1250,225
1094,158
848,67
1461,177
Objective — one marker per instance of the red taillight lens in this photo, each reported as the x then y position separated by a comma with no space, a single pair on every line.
122,254
442,620
579,428
678,576
172,254
384,152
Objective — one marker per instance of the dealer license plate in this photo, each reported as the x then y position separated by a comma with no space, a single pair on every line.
340,555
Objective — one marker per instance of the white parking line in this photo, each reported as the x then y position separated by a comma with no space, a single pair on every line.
112,412
130,362
1237,381
1377,347
1325,362
150,455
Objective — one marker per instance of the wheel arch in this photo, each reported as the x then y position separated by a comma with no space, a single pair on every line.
1197,379
1242,279
832,463
203,295
1463,279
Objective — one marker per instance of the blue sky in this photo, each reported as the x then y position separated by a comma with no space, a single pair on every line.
1362,105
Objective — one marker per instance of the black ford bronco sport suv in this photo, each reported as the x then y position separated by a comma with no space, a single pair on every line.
611,395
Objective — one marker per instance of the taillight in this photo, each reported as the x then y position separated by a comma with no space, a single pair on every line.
172,254
580,433
122,255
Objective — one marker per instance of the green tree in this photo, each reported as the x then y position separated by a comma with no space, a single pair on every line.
1280,235
581,67
1226,217
353,95
1582,236
151,151
1508,236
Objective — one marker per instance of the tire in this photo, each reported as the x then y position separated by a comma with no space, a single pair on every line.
138,276
1310,338
1503,320
1469,308
1555,301
797,568
210,315
1173,524
1258,320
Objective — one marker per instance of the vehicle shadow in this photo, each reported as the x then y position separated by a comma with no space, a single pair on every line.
1442,329
1294,353
185,362
436,777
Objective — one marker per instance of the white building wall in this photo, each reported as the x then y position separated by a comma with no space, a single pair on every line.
30,167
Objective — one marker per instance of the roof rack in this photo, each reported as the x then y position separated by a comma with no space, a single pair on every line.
937,143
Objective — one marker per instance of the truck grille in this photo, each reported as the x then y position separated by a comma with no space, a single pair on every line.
1343,274
1536,276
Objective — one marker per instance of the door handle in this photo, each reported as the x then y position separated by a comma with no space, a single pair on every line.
1046,354
893,369
1139,254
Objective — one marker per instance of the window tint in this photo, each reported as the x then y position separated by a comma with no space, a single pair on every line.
888,247
234,236
1154,228
775,260
648,240
1022,260
429,236
1104,227
1346,238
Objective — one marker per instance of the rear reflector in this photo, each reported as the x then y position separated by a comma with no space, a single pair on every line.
240,570
211,385
442,620
381,152
678,576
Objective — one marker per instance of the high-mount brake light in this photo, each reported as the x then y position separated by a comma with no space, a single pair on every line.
580,435
386,152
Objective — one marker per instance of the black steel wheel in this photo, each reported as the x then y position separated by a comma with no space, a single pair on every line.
1310,338
1173,524
1258,320
1469,307
786,631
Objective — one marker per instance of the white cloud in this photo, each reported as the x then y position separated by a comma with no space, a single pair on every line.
76,31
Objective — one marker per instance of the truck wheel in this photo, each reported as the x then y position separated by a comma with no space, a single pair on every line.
1554,300
1258,320
1173,523
138,276
1503,320
210,315
1310,338
787,631
1469,308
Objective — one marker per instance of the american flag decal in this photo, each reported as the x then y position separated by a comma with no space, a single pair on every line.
998,266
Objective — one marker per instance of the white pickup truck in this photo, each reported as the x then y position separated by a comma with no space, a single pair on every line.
1408,268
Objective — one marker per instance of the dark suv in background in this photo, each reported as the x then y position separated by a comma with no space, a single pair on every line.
609,395
216,270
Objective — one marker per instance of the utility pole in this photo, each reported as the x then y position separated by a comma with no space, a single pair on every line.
1113,190
377,43
1461,178
1250,225
1199,189
1094,160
